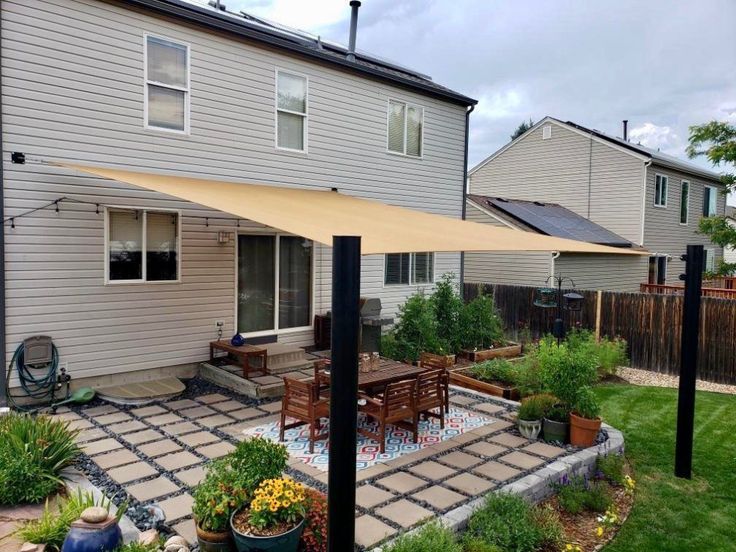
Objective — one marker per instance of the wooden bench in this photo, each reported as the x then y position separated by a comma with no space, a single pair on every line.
243,353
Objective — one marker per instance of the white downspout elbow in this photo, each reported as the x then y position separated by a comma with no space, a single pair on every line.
555,255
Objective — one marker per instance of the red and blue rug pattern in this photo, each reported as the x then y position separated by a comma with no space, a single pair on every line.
398,441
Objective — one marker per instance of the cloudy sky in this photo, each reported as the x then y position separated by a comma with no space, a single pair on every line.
662,64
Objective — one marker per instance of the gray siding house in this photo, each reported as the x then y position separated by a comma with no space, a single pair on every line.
651,199
133,283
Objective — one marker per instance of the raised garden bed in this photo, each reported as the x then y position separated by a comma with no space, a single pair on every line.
464,378
509,350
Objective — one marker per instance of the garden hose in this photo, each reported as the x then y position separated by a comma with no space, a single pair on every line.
37,382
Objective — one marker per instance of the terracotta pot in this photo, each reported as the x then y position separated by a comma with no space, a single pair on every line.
210,541
583,431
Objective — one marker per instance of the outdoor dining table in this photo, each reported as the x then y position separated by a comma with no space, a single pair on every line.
388,371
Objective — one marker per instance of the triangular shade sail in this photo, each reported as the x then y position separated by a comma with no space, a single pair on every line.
320,215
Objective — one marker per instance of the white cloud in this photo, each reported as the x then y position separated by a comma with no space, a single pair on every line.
311,16
499,105
662,138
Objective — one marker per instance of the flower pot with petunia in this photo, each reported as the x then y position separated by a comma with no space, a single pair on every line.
274,519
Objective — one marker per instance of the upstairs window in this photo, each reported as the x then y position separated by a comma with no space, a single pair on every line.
409,268
167,85
684,201
709,201
130,232
661,183
405,128
709,260
291,111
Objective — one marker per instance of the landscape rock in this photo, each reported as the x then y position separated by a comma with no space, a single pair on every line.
94,514
148,537
31,547
175,540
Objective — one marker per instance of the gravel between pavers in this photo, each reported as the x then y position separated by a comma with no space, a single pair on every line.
636,376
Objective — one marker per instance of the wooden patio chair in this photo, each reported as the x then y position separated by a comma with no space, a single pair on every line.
321,378
396,407
431,395
430,362
301,401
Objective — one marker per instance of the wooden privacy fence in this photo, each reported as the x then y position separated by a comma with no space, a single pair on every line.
650,324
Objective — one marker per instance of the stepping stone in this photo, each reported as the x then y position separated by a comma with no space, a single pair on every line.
522,460
151,489
497,471
489,408
177,460
80,424
404,513
192,476
438,497
227,406
66,417
212,398
163,419
402,482
370,531
181,428
187,530
245,413
143,436
105,445
131,472
509,440
182,404
198,438
266,380
462,400
148,411
127,427
100,410
112,418
198,412
115,458
216,420
235,430
432,470
469,484
216,450
543,449
271,407
460,460
157,448
177,507
372,471
90,435
485,449
369,496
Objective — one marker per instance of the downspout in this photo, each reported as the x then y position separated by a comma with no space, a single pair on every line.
590,173
552,257
645,182
465,187
3,373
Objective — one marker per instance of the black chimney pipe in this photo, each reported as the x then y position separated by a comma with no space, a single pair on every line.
626,130
354,4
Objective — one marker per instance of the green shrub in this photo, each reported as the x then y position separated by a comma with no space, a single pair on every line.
611,466
558,413
448,307
551,531
529,379
507,522
535,407
565,371
586,404
611,355
598,496
432,537
572,495
497,369
480,324
33,452
135,546
474,544
416,330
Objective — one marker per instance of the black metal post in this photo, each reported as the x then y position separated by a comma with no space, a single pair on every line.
343,393
688,360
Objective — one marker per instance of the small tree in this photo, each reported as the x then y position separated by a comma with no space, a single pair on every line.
480,324
522,128
717,142
448,308
416,330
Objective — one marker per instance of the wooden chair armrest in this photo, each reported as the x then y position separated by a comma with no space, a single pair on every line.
369,399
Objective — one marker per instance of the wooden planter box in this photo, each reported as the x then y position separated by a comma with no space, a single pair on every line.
464,379
510,350
444,361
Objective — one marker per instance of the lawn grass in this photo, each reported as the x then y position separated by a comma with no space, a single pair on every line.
671,514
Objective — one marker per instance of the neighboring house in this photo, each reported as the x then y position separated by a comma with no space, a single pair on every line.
729,253
651,199
135,282
587,270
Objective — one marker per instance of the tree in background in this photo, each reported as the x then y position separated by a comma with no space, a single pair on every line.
717,142
522,128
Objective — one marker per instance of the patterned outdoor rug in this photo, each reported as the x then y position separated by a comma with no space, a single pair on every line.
398,441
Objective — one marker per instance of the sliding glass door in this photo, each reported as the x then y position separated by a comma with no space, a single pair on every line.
274,271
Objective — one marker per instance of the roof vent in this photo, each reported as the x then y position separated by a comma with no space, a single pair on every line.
354,5
502,200
217,4
546,132
539,203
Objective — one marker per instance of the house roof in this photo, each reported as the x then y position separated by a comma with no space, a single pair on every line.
551,219
301,43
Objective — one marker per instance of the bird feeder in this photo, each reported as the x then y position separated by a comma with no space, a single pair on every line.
545,297
573,301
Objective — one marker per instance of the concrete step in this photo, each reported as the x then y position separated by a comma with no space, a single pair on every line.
289,366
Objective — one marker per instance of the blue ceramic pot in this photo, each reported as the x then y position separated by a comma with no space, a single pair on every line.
285,542
93,537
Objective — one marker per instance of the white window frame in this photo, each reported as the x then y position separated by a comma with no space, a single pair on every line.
276,109
277,253
412,261
406,105
687,205
666,181
144,245
715,195
709,252
147,83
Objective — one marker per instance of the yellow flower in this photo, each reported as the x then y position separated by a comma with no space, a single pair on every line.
599,531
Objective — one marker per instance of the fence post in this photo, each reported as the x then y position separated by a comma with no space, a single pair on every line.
598,300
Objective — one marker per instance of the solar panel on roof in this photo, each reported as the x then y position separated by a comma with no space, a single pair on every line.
555,220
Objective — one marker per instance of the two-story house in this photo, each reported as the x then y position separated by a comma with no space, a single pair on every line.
649,199
130,283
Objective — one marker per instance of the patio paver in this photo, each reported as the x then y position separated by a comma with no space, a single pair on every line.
497,471
191,477
469,484
369,496
197,412
212,398
187,530
177,507
543,449
370,531
114,459
113,418
91,434
152,489
485,449
488,408
182,404
181,428
522,460
131,472
508,440
459,459
101,410
104,445
432,470
177,460
245,413
438,497
216,450
127,427
158,448
198,438
163,419
147,411
142,436
227,406
216,420
271,407
402,482
404,513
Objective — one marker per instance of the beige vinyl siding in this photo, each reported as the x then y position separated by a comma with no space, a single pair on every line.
663,233
591,178
73,90
729,253
522,268
604,272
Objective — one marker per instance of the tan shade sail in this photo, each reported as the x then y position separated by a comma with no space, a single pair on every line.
320,215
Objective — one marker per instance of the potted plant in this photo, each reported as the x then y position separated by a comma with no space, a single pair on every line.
531,412
585,422
274,520
556,424
215,499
